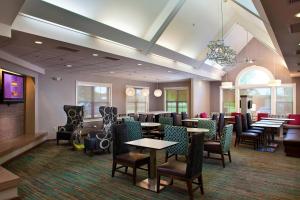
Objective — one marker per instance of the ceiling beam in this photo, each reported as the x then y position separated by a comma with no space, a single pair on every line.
16,60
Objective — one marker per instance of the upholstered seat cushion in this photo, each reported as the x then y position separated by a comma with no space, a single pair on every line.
173,167
212,146
292,138
255,131
249,134
132,157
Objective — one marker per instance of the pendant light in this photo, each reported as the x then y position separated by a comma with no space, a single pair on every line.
157,92
145,92
130,91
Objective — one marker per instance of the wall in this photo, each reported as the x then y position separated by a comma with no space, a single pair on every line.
297,81
54,94
200,96
263,57
160,100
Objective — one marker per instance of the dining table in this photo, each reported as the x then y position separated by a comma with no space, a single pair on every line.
197,130
153,145
149,126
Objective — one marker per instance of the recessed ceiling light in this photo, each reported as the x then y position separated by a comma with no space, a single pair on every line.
169,71
297,14
112,72
95,54
140,64
68,65
38,42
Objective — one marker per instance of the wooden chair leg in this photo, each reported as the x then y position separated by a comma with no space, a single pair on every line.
176,157
126,169
200,181
114,166
190,189
208,154
134,175
229,156
235,143
57,141
158,183
223,160
148,165
166,157
172,181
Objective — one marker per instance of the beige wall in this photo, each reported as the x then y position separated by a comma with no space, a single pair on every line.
200,96
263,57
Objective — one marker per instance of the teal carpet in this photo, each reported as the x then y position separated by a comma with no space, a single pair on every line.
57,172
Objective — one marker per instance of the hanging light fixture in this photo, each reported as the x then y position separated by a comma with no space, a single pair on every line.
218,52
130,91
157,92
145,92
275,82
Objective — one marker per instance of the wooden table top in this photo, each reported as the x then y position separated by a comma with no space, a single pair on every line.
150,124
151,143
197,130
190,120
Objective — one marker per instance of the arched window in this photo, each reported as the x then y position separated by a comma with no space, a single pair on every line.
254,75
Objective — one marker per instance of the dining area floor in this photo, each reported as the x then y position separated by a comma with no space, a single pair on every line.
58,172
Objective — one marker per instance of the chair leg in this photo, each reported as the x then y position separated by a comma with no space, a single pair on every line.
190,189
134,175
57,141
176,157
126,169
223,160
114,166
208,154
158,183
200,181
229,156
235,143
148,165
166,157
172,181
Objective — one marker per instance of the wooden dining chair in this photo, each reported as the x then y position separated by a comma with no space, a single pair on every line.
186,171
125,158
222,146
176,134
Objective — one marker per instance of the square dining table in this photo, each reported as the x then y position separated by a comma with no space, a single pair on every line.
153,145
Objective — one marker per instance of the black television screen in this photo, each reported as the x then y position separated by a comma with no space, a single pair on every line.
12,87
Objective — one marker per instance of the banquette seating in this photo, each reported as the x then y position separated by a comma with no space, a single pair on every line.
291,142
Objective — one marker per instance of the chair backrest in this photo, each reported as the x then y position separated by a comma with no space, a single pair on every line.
184,115
142,117
226,138
165,121
134,116
261,115
214,117
244,123
109,115
249,119
150,117
128,118
211,125
177,134
238,125
296,118
195,156
74,116
167,115
221,122
235,114
203,115
134,130
177,120
119,136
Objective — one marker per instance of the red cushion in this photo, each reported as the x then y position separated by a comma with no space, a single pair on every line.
203,115
261,115
296,117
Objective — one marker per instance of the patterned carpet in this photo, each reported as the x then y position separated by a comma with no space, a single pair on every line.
57,172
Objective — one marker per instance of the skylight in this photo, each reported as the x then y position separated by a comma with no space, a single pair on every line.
248,4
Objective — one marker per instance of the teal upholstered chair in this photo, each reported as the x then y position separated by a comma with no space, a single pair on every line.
221,147
211,125
176,134
134,130
128,118
163,122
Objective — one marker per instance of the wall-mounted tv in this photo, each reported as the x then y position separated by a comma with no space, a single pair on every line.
12,88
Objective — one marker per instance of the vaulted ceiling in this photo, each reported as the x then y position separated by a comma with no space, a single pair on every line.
167,34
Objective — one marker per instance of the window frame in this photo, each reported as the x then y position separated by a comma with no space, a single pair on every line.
177,88
93,84
147,98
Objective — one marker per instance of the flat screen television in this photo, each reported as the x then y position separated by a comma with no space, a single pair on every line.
12,88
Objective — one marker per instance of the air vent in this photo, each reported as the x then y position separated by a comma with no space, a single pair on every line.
111,58
67,49
295,28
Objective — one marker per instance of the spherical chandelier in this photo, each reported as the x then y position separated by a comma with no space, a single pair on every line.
145,92
130,91
157,92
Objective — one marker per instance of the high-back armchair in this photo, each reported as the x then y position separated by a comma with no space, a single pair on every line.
101,141
74,119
